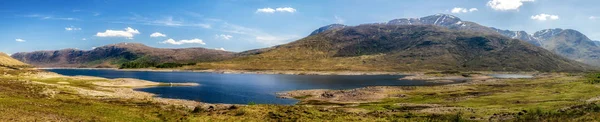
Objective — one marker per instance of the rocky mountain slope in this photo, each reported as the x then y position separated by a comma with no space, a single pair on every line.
571,44
564,42
117,54
397,47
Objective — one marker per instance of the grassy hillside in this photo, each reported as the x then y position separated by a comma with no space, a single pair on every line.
7,61
401,48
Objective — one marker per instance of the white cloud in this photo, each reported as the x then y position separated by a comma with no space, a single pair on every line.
49,17
258,35
180,42
19,40
72,28
274,40
286,9
338,20
222,49
505,5
544,17
223,36
168,22
157,34
83,39
265,10
593,17
457,10
207,26
271,10
127,33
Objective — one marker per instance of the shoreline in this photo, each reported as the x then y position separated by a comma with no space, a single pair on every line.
283,72
287,72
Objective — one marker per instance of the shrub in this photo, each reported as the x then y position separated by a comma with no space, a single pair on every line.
593,78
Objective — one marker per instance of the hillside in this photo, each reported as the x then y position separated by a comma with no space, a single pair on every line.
7,61
391,47
564,42
117,54
571,44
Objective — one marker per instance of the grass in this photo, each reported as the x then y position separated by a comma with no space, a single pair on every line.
21,101
559,98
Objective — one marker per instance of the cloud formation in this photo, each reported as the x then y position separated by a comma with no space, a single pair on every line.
72,28
221,49
505,5
223,36
258,35
271,10
180,42
127,33
593,17
457,10
19,40
339,20
167,21
49,17
544,17
157,34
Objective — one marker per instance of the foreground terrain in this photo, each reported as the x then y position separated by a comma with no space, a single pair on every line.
30,95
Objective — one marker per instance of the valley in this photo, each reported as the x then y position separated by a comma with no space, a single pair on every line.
432,68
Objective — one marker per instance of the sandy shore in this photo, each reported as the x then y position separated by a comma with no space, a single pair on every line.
120,88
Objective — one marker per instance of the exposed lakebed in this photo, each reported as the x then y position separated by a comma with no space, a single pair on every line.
243,88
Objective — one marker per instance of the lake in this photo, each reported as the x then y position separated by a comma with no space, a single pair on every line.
243,88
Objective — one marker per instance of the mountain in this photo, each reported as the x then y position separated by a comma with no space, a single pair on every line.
9,62
451,22
576,46
326,28
571,44
522,35
399,47
117,54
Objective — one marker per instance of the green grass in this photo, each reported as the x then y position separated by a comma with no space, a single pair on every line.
21,101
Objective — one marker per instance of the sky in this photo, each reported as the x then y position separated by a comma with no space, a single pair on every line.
239,25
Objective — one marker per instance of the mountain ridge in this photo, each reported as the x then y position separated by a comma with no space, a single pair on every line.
587,53
388,47
113,55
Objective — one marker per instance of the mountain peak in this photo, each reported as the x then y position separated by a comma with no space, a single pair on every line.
328,27
437,19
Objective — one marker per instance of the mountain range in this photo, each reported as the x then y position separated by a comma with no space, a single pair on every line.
568,43
396,47
437,42
117,54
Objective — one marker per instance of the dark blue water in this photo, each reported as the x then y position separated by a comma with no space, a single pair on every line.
243,88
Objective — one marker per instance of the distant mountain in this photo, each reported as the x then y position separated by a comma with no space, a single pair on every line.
401,47
326,28
571,44
451,22
522,35
576,47
8,62
116,54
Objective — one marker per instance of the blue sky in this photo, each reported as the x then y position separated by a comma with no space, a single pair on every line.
238,25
